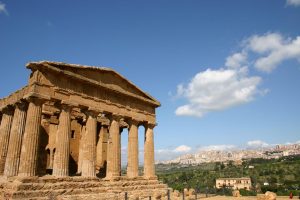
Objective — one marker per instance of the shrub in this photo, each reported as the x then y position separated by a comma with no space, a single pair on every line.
244,192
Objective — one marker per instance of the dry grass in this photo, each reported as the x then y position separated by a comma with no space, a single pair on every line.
241,198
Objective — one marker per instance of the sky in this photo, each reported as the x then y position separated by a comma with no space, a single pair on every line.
227,73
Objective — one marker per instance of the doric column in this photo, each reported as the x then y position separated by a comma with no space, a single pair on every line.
81,145
89,150
109,156
149,167
51,158
62,144
5,127
29,150
133,150
15,140
101,154
113,163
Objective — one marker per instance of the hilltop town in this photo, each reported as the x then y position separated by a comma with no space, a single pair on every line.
236,155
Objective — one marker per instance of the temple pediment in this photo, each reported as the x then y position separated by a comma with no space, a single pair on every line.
100,76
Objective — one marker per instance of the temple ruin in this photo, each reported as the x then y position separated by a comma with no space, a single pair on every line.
60,136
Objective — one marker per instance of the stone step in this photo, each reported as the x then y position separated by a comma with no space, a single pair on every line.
46,188
63,193
74,185
72,190
82,190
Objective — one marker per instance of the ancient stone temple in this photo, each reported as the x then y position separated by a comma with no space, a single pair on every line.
60,136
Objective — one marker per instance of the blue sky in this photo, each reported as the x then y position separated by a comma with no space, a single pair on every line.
226,72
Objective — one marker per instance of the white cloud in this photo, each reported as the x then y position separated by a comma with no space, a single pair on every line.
182,148
3,8
218,89
171,153
272,49
214,90
265,43
293,2
221,147
236,60
257,144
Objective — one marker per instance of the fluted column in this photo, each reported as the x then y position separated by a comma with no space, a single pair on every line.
15,140
5,128
29,150
101,154
149,165
80,153
133,150
109,156
114,168
51,158
62,152
89,152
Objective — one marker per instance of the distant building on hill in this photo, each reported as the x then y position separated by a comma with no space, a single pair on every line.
238,162
234,183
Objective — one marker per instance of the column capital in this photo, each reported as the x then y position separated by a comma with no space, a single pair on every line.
34,95
133,121
105,124
150,125
116,116
65,105
69,103
93,112
22,104
9,110
35,100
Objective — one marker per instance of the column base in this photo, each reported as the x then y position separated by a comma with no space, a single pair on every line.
59,176
113,178
132,176
25,175
60,173
154,177
89,176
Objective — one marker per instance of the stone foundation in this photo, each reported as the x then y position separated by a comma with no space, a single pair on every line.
79,188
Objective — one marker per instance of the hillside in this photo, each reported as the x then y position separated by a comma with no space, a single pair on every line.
279,175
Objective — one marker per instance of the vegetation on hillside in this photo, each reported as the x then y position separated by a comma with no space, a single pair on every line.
278,175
